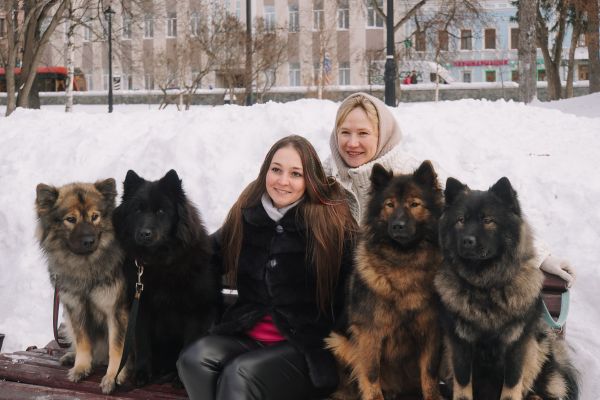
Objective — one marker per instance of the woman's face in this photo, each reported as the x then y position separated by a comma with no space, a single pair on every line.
285,178
357,138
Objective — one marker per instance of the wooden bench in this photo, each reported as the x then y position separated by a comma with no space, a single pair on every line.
37,373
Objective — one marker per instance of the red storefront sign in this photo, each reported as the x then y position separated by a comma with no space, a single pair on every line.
479,63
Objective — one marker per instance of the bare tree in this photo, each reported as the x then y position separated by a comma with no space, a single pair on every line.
593,28
37,32
437,26
269,53
527,13
576,20
552,18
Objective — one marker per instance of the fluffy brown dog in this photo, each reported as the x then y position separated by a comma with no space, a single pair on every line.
392,341
85,264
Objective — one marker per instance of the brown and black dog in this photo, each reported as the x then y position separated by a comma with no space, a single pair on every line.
85,263
392,342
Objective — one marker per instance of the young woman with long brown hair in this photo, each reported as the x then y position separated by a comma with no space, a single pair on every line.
286,245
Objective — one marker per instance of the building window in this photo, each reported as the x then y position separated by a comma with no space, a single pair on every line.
172,25
195,24
343,15
420,42
148,26
443,40
374,19
490,38
344,74
490,76
126,34
89,81
583,72
294,22
318,15
294,74
149,82
514,38
87,29
466,38
270,18
126,82
238,9
514,75
541,75
467,76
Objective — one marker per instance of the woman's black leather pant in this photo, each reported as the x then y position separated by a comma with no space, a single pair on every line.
239,368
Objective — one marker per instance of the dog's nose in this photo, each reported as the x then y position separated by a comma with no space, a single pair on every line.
145,234
398,226
469,242
88,241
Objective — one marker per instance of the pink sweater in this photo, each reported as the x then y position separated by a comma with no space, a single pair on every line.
265,331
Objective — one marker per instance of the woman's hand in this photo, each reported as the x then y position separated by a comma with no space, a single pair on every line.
560,267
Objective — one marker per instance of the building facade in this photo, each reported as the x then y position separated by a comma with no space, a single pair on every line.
336,42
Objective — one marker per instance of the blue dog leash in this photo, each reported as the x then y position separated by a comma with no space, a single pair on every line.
559,323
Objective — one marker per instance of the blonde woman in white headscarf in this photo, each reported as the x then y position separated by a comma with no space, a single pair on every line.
366,133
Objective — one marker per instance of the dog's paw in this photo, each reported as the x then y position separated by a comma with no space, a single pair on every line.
142,378
123,375
68,358
108,384
79,372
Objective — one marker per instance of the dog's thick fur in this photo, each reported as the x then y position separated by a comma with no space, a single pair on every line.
76,234
160,229
392,342
490,288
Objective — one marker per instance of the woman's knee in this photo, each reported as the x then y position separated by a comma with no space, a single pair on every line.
200,355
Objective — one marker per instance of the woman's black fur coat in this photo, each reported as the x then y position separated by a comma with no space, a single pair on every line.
274,277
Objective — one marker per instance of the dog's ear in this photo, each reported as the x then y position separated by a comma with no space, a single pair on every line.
505,192
45,199
172,183
426,175
454,187
108,189
131,184
380,177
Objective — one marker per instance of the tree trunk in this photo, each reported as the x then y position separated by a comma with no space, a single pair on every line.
527,50
552,59
11,51
593,45
34,47
577,27
70,57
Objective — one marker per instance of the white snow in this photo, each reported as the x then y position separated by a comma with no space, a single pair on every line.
549,151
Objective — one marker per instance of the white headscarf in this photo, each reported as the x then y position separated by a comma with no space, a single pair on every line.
389,133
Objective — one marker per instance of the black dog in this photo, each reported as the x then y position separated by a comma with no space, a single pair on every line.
160,229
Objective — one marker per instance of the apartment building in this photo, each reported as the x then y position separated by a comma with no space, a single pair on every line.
339,42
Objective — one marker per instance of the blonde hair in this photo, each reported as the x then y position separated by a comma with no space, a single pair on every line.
353,102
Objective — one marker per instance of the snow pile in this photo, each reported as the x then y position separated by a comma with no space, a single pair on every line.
548,151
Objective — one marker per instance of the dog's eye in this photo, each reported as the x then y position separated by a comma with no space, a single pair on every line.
71,219
487,220
389,204
415,204
95,217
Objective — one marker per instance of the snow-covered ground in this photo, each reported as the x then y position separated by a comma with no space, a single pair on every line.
549,151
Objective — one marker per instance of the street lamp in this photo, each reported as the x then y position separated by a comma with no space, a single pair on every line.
108,13
389,75
248,69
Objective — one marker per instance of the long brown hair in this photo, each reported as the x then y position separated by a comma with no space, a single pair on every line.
325,213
